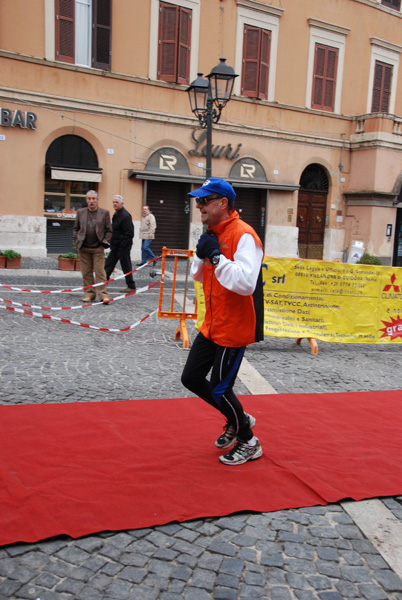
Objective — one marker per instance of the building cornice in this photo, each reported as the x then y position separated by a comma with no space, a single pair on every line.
329,26
260,7
384,44
376,5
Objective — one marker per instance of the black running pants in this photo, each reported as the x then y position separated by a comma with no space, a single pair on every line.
218,390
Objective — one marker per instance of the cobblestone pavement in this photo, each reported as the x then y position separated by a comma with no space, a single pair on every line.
312,553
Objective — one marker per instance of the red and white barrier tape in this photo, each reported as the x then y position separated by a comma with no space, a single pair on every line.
16,289
34,314
86,305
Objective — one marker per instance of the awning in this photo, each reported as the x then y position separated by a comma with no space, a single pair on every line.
89,175
266,185
159,176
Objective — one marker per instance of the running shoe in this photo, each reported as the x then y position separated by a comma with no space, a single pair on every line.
229,435
241,453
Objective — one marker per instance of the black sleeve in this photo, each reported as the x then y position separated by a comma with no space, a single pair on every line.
258,297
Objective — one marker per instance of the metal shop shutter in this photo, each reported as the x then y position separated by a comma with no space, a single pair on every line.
170,205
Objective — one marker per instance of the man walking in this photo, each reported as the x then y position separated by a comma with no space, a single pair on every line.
121,242
92,232
147,234
228,263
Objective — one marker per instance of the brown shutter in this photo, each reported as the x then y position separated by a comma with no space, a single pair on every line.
168,42
264,65
381,87
101,34
395,4
65,37
255,72
386,90
324,77
251,51
183,67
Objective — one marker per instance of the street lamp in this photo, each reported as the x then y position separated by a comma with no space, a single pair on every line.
207,99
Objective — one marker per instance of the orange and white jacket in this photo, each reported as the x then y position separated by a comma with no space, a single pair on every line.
230,318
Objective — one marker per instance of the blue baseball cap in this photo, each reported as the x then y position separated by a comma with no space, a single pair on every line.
214,185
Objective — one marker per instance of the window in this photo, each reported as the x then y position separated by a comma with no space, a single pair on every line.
174,43
257,34
382,87
83,32
324,77
71,170
255,71
395,4
326,60
383,76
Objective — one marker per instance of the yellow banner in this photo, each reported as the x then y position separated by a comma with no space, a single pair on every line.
329,301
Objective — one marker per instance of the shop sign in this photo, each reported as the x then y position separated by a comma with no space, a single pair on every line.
17,118
65,214
167,159
217,151
248,168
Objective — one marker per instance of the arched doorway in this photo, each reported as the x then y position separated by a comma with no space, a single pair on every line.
71,170
311,211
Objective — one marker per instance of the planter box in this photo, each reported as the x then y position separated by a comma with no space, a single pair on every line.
77,264
2,262
66,264
13,263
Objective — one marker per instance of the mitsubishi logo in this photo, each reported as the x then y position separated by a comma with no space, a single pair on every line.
392,285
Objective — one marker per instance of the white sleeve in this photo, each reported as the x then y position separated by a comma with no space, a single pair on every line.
241,274
197,269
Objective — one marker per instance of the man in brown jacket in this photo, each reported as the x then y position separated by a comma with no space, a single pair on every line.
147,234
92,232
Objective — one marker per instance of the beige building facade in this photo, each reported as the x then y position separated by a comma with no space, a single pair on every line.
93,96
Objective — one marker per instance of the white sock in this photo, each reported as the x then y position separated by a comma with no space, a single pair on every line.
253,441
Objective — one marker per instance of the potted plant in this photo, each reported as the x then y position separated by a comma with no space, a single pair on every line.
2,260
67,262
13,259
369,259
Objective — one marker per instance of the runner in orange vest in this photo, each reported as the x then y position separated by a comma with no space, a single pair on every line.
228,263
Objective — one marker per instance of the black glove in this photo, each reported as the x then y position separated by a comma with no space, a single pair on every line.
208,245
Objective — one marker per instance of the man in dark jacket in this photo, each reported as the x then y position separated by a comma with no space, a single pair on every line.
121,242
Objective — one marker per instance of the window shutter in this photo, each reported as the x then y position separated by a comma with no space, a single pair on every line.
183,67
251,51
65,38
101,34
255,72
324,79
386,90
264,67
168,41
381,87
395,4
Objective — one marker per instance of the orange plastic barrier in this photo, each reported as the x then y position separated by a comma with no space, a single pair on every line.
182,314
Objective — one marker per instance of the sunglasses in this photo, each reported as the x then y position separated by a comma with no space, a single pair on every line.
206,200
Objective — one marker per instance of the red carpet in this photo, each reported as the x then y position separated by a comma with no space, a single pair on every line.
82,468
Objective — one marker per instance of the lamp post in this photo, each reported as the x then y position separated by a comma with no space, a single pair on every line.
207,99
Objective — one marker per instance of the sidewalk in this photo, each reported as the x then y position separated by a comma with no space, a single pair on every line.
312,553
